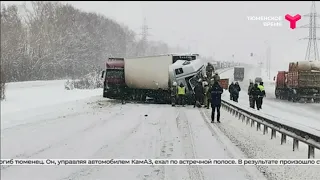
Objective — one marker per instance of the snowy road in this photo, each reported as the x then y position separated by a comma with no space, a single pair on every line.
305,116
99,128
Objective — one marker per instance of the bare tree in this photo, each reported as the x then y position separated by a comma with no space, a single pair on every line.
56,41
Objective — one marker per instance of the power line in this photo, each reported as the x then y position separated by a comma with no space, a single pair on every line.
312,53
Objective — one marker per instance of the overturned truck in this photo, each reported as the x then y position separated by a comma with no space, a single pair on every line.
151,76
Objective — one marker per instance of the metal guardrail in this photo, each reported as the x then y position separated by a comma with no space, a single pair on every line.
313,141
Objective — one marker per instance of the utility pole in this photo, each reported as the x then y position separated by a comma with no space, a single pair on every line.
268,59
144,38
312,53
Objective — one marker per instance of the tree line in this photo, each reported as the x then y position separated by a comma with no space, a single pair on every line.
52,40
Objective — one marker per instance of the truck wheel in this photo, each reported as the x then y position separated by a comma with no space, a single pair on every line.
104,93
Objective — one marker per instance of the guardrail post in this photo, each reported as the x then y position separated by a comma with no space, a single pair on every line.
233,112
240,115
273,133
310,151
265,129
248,120
258,126
243,118
252,122
295,144
283,138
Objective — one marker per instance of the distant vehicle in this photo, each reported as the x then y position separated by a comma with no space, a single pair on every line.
151,76
224,83
302,81
238,74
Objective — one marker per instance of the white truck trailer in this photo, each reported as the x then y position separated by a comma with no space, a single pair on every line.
153,76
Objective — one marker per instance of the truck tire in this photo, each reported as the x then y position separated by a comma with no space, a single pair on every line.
104,93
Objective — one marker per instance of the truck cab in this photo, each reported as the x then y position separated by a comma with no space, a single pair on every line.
188,73
113,77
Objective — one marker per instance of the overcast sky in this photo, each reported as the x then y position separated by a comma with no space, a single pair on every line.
218,29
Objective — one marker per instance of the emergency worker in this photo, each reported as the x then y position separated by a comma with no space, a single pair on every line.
262,94
209,70
174,92
207,95
250,95
181,94
216,77
199,92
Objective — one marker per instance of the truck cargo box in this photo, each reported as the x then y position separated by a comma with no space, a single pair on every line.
304,79
281,79
150,72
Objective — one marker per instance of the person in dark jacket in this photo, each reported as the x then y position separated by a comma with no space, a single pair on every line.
250,95
216,92
123,93
231,90
236,92
174,92
255,92
199,92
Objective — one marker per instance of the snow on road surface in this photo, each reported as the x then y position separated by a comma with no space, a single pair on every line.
255,145
98,128
301,115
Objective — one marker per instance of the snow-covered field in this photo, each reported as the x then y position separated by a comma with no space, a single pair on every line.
81,124
21,95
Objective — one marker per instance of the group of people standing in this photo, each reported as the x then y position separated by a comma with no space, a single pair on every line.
256,94
207,91
234,90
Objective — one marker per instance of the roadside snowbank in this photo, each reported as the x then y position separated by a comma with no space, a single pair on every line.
255,145
33,94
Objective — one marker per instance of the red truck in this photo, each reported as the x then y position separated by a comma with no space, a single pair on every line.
113,81
302,81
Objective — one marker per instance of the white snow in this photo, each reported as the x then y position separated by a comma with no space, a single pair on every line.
94,127
255,145
22,96
300,115
82,124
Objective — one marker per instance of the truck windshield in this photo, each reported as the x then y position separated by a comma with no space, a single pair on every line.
115,73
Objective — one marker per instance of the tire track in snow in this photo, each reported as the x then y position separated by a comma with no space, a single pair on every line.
44,121
113,149
195,172
222,136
